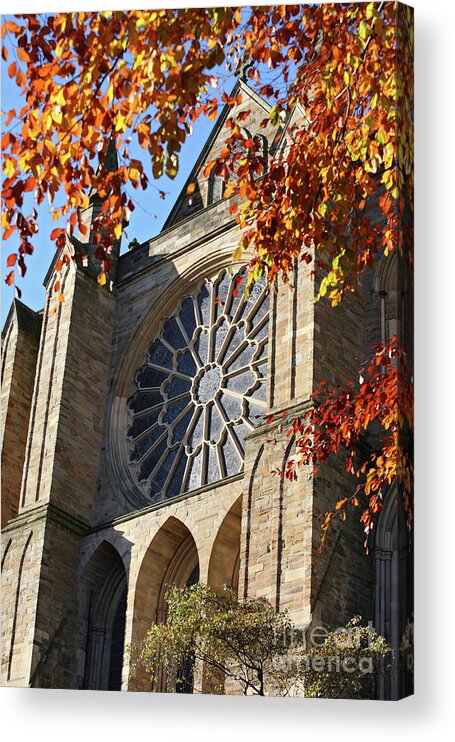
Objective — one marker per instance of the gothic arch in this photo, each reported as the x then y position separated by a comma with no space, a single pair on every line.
171,558
15,667
225,555
103,616
216,188
393,590
223,572
391,286
263,150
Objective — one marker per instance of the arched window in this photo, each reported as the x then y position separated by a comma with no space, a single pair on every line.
171,559
390,286
263,151
216,188
104,591
393,594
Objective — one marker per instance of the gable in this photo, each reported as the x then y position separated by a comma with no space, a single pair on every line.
206,190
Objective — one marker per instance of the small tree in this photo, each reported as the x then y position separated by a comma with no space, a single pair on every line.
258,648
346,664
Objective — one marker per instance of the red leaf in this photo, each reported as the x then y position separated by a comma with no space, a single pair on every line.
22,268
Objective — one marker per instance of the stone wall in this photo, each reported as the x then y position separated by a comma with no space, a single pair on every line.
19,356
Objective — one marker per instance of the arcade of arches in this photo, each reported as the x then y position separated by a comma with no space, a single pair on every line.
171,558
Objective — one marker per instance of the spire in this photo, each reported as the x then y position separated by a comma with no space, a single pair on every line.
84,244
111,157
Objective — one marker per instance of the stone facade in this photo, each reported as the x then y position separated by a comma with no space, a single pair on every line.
87,550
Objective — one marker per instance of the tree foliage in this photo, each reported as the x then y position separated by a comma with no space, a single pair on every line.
258,649
148,74
339,194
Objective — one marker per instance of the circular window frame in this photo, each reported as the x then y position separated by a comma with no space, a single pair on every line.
185,285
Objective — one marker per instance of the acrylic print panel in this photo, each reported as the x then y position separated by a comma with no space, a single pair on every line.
207,471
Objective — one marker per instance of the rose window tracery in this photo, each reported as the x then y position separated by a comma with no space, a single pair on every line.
201,388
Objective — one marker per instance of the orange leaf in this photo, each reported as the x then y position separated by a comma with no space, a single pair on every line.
21,79
11,260
9,280
10,116
340,503
209,167
30,185
12,69
22,54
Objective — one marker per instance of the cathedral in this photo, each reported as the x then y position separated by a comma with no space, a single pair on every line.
136,451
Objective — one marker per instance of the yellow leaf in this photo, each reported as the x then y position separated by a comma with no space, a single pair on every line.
8,168
237,254
134,174
60,99
101,279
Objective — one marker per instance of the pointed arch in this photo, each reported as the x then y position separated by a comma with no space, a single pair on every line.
391,286
103,617
225,557
216,188
393,590
171,559
263,150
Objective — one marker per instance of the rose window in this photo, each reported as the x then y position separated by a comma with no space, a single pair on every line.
201,388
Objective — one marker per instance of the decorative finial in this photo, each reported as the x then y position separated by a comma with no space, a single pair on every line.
242,68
